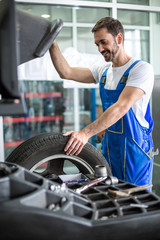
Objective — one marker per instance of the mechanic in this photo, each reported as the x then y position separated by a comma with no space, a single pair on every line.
125,88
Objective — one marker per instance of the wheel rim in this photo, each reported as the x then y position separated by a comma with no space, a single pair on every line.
55,164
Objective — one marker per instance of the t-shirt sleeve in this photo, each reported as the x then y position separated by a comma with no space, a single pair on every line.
141,76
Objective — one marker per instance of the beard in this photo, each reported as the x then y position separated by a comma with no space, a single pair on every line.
110,55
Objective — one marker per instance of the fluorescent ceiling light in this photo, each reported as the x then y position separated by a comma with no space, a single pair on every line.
45,15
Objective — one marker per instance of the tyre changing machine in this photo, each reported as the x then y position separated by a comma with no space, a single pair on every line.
33,207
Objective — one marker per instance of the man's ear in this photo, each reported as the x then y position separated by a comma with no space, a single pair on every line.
119,38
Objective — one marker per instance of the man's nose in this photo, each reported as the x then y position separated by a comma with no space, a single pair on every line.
100,48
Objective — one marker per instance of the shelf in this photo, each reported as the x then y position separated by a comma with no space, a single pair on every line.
32,119
42,95
12,144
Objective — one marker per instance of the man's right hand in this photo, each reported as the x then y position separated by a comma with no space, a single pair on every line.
75,143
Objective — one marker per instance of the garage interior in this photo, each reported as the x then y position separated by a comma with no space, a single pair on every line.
55,105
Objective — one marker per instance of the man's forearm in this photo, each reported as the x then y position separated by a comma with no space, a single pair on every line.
59,61
107,119
127,98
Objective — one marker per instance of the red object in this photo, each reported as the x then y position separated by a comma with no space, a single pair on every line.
32,119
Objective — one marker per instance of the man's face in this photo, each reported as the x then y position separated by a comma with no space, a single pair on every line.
107,44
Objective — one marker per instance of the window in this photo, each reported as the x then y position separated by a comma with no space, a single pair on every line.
91,15
137,18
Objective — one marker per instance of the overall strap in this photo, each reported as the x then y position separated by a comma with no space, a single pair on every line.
103,78
124,78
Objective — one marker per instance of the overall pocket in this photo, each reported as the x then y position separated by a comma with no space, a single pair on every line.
117,127
139,163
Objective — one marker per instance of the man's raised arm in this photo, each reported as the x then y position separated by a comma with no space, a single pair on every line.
65,71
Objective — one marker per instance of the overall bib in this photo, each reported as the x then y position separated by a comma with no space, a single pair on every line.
127,146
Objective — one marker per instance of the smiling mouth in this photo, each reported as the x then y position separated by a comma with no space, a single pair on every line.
105,53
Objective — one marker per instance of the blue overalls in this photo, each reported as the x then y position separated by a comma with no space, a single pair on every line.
127,146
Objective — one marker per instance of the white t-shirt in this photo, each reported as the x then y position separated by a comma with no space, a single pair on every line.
140,76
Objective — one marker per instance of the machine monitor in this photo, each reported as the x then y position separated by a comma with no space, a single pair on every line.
11,101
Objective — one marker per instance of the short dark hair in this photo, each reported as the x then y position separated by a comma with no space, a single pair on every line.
112,25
